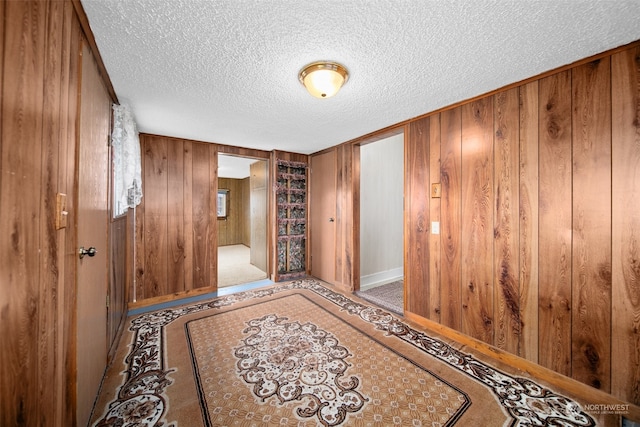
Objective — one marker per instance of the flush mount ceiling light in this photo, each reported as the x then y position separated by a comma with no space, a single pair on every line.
323,79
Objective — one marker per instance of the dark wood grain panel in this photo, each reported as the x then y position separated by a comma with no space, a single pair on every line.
55,89
230,229
435,255
528,221
20,190
625,236
175,217
477,219
507,301
250,152
202,208
591,284
117,307
451,217
555,222
417,225
187,215
155,217
138,291
67,238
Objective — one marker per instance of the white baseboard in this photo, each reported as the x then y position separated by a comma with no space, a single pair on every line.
372,280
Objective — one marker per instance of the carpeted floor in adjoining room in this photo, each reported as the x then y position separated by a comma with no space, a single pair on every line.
389,296
302,354
234,266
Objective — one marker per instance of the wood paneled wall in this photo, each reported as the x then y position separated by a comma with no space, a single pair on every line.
235,229
539,221
39,46
176,222
39,85
177,232
120,264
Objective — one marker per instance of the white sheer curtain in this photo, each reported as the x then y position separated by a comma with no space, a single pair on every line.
126,158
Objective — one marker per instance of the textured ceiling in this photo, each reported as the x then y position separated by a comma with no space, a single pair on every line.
226,71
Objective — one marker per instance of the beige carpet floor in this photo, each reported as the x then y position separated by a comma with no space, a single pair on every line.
302,354
234,266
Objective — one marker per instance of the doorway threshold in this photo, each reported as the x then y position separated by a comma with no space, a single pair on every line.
220,292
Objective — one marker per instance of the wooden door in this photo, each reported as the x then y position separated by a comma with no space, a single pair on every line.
93,181
322,215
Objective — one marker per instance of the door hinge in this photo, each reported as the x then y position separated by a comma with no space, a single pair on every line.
107,301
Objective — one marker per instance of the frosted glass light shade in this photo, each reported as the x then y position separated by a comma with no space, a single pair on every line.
323,79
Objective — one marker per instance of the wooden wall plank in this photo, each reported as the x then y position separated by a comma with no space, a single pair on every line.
528,225
20,190
54,88
67,248
477,219
434,215
555,222
507,310
223,224
591,283
187,204
202,206
155,218
451,218
175,217
230,229
138,292
117,308
625,236
417,225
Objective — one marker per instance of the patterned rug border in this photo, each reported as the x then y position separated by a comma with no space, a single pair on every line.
141,398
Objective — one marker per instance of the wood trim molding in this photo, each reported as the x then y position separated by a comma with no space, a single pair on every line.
86,28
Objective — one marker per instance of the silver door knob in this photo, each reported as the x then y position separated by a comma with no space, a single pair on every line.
89,252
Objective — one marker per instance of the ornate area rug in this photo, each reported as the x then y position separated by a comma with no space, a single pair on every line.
301,354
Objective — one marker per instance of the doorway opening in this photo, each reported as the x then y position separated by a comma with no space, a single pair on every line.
242,220
381,223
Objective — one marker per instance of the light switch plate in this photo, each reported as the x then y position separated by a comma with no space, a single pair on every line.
436,190
61,211
435,227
